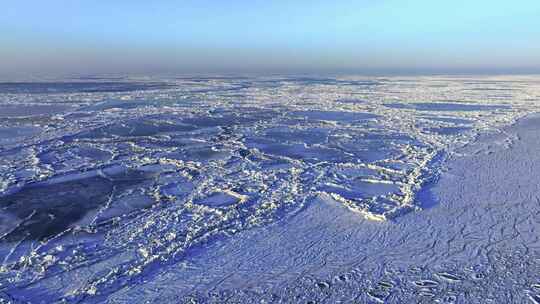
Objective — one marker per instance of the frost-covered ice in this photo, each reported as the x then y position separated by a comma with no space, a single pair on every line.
182,188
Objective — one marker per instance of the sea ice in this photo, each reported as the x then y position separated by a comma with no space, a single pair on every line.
308,189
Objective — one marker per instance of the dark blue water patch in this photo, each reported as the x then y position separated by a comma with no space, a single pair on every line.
134,104
366,151
255,113
7,111
446,106
77,115
372,145
97,155
50,207
448,130
333,115
205,154
79,87
297,151
373,155
135,128
177,186
310,137
112,104
61,157
226,120
180,141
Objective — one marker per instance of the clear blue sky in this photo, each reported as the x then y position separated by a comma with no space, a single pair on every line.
192,36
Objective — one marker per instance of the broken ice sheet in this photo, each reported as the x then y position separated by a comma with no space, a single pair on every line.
48,208
153,170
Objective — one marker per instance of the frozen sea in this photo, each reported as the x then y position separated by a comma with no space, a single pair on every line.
274,189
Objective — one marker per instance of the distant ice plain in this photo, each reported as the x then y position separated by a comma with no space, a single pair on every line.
279,189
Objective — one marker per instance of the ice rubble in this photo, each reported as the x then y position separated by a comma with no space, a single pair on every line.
127,180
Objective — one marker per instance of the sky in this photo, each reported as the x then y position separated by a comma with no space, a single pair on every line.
271,36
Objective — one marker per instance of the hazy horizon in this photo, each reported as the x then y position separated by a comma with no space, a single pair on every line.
196,37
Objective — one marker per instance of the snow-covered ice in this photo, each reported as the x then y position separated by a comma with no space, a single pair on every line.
291,189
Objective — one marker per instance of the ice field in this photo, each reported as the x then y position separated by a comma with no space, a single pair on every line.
270,190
